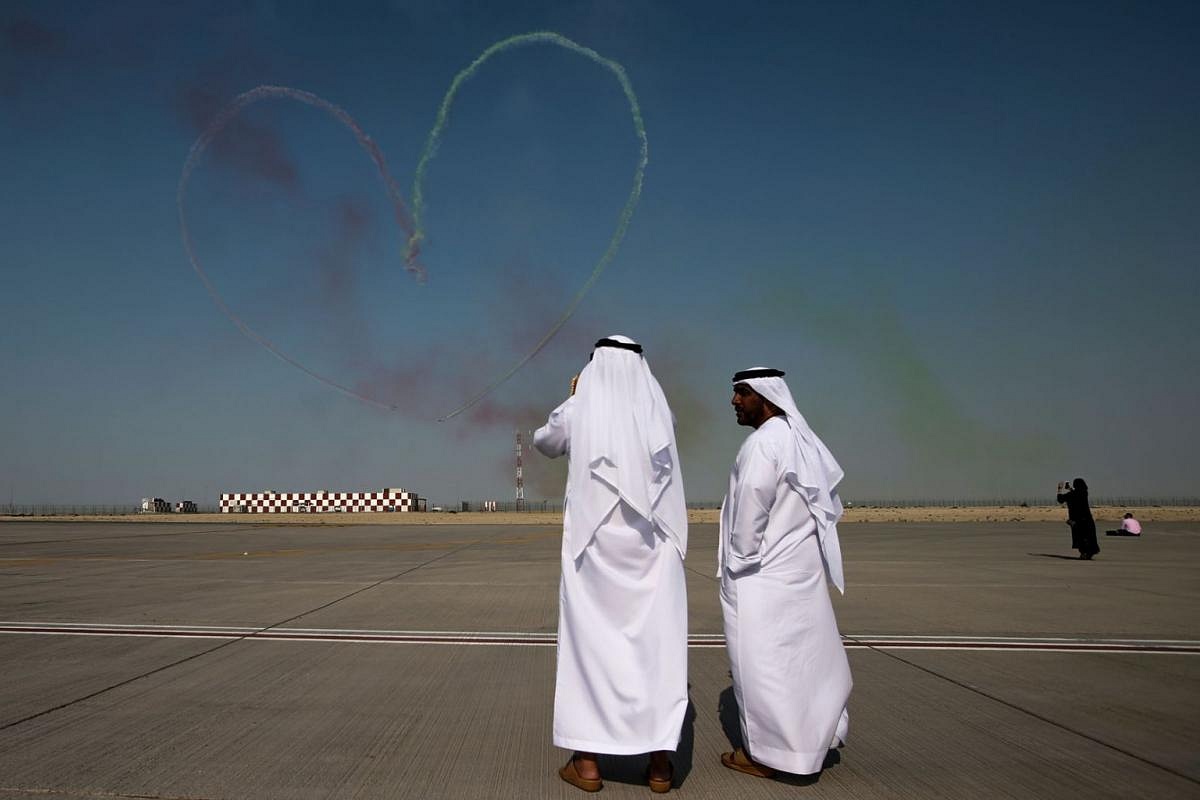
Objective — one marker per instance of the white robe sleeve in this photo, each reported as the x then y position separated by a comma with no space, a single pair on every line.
753,497
554,438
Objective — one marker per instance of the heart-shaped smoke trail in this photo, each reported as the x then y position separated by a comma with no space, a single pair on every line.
413,227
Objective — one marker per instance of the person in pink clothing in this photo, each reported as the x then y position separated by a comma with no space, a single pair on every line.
1129,527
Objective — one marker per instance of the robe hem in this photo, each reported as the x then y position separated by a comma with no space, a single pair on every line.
790,760
613,748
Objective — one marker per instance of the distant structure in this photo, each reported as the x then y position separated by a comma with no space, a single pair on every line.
155,505
322,502
520,477
186,507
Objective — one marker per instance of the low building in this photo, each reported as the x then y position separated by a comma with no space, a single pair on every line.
155,505
320,502
186,507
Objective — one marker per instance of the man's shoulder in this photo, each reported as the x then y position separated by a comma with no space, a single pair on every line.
774,432
565,409
766,438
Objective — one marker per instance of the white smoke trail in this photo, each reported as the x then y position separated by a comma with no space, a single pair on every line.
614,242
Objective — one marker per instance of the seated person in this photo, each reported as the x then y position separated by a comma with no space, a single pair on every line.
1129,527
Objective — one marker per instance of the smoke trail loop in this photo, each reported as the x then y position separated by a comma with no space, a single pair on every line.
618,235
413,226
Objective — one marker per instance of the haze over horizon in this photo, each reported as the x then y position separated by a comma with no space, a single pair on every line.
968,233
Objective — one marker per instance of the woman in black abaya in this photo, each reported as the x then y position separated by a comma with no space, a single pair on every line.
1079,517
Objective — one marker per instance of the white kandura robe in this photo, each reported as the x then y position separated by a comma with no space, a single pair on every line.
791,676
621,684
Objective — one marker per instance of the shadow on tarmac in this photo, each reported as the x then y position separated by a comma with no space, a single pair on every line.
727,711
632,769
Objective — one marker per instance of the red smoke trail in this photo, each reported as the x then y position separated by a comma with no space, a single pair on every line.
256,149
201,144
29,36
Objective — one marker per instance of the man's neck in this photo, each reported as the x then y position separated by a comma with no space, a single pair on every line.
764,420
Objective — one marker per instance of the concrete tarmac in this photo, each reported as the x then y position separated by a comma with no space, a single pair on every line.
235,661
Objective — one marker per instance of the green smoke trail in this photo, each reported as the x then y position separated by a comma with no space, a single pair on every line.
435,137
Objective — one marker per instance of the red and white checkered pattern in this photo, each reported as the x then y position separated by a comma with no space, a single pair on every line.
318,502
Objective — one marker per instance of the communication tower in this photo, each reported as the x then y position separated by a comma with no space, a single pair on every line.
520,477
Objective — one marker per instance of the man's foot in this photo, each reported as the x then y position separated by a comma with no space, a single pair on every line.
660,773
582,772
742,762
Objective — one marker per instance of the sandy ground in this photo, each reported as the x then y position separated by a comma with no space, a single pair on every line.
1103,515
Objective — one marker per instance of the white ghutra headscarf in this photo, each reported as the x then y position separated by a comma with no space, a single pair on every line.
623,447
809,467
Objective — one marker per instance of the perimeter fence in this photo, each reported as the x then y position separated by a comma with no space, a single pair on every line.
976,502
507,506
53,510
1023,502
535,506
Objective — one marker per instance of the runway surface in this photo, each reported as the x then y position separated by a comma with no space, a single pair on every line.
237,661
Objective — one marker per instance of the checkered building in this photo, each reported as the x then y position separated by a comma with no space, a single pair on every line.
271,502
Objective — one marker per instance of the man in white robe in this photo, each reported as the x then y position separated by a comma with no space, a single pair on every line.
778,547
621,685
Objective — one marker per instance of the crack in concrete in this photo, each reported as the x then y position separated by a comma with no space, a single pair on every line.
1029,712
225,644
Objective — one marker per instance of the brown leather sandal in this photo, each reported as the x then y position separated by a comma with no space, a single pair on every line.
571,775
661,785
741,762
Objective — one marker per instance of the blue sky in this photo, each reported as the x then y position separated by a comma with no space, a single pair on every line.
968,232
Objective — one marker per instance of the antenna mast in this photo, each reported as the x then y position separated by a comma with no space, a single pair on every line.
520,476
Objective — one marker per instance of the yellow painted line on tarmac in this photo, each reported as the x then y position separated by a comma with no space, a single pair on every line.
227,554
530,537
25,562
